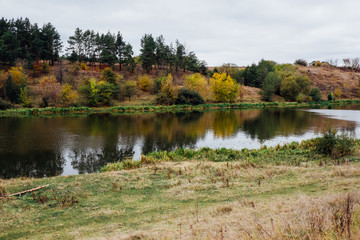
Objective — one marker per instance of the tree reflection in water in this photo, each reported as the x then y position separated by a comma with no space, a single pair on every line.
41,146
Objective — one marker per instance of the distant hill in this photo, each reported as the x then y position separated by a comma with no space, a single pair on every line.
328,78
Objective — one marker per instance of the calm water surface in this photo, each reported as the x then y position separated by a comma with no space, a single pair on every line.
76,145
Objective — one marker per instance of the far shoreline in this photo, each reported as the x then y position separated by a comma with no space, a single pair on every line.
67,111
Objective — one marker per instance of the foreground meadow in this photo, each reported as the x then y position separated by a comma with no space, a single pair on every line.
288,192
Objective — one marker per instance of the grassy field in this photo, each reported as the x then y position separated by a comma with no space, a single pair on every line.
287,192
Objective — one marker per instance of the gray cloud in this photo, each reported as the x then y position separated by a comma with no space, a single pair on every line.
226,31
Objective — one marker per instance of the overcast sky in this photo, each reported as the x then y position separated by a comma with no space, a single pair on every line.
218,31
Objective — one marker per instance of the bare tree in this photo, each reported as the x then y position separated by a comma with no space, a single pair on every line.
355,63
347,62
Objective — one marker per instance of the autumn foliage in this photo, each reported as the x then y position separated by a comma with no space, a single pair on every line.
68,95
224,88
145,83
197,82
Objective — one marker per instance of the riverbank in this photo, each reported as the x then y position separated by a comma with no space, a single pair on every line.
174,108
282,192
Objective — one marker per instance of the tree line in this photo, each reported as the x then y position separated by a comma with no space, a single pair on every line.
24,41
111,48
21,40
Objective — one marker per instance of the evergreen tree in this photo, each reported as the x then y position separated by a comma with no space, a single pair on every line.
120,48
108,51
37,44
160,51
147,52
52,43
76,44
129,61
11,90
192,62
179,56
21,40
8,48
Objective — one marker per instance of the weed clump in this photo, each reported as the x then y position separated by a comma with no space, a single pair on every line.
3,193
124,165
334,145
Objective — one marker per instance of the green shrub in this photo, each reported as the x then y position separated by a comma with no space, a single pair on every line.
45,68
334,145
301,62
331,96
12,90
107,91
24,97
4,105
189,97
304,84
130,89
292,85
156,87
108,75
289,88
270,86
98,93
315,94
300,98
238,76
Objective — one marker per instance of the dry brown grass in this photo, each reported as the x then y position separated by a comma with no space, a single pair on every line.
289,216
335,216
192,200
329,78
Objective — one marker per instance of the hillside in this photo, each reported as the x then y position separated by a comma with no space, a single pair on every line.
328,78
45,85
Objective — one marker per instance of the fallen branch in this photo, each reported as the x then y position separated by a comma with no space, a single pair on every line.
26,191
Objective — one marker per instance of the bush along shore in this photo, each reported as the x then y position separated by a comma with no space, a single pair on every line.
336,148
306,190
173,108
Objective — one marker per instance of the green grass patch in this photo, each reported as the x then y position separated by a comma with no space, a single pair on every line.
175,108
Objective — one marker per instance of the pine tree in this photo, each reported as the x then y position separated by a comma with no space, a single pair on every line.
147,52
120,48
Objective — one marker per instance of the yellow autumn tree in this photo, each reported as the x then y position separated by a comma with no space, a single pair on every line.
83,66
338,93
68,96
167,94
224,88
144,82
17,75
197,83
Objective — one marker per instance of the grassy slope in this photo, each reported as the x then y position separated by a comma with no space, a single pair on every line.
328,78
193,199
